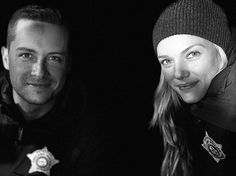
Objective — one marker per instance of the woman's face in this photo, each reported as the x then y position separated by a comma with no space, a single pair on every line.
188,63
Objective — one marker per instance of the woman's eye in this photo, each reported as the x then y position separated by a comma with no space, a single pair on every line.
165,62
193,54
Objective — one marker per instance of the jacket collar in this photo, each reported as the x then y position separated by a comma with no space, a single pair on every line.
218,107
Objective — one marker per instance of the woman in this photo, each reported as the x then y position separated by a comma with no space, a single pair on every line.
195,101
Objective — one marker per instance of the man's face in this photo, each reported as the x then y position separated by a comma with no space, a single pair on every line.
37,61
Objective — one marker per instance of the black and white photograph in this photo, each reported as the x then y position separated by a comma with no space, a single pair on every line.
96,88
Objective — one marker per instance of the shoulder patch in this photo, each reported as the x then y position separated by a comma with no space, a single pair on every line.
214,149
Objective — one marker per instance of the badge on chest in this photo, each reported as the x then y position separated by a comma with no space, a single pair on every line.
41,161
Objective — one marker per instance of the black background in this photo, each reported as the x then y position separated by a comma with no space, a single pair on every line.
114,59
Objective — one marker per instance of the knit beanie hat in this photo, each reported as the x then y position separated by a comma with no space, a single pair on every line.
202,18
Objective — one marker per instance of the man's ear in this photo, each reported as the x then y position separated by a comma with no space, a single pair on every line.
5,57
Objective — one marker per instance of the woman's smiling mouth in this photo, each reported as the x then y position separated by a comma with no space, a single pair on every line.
187,86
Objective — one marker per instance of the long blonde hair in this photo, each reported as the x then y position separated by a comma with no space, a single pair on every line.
176,155
177,158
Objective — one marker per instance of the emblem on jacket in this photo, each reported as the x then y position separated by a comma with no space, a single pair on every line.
214,149
41,161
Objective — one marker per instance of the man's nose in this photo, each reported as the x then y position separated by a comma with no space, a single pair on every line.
39,68
181,71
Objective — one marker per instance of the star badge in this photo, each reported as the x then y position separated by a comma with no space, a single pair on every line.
214,149
41,161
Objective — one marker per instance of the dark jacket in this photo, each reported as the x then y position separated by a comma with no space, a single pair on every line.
55,131
72,132
71,135
213,134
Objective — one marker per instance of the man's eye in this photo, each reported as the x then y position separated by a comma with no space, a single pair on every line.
193,54
26,56
55,58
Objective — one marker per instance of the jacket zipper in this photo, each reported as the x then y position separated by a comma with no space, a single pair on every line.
20,133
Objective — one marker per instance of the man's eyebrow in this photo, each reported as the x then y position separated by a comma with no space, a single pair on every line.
58,53
26,49
33,51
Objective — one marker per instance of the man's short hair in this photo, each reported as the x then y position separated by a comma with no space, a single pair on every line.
36,13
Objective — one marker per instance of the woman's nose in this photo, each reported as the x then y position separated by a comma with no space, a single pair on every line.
181,72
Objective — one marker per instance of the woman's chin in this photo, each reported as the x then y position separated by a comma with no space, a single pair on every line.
190,99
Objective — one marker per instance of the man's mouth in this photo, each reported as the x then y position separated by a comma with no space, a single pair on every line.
38,84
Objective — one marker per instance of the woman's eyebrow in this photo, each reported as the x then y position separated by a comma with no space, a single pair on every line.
163,57
182,52
188,48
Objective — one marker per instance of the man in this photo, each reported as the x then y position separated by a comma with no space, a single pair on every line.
36,128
